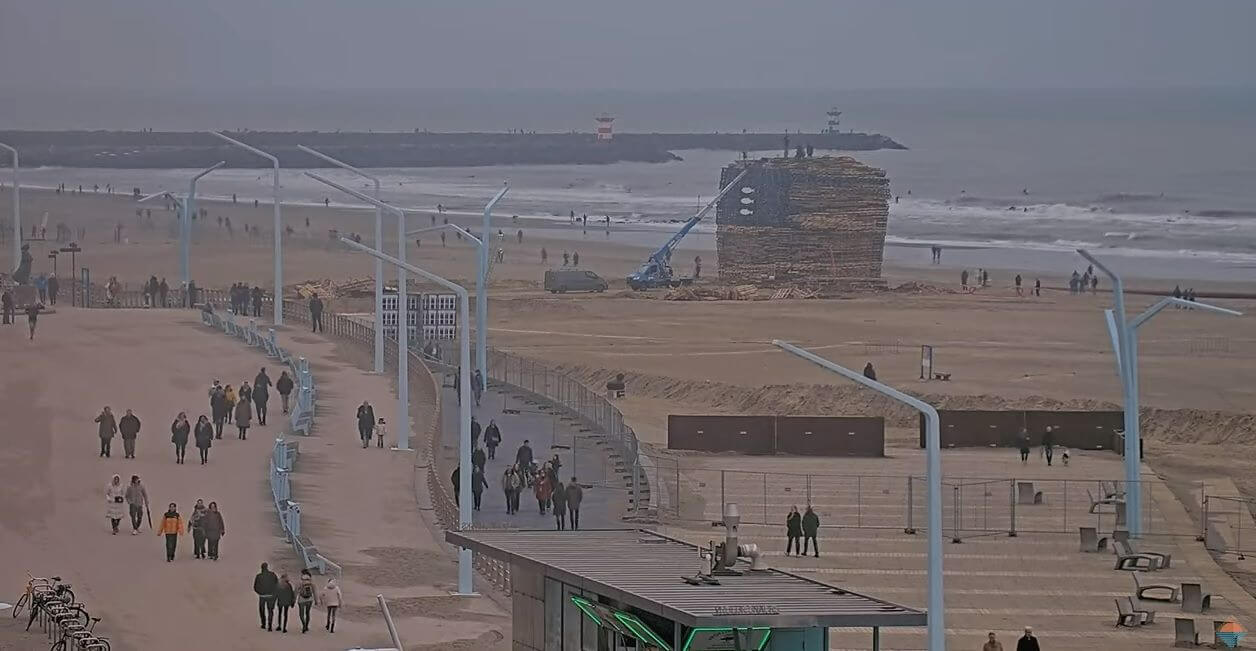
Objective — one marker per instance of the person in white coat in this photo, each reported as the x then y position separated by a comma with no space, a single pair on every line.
115,502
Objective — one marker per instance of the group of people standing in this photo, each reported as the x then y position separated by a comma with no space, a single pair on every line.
1078,284
242,296
802,527
156,292
277,592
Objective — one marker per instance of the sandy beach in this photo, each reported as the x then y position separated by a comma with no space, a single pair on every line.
1003,350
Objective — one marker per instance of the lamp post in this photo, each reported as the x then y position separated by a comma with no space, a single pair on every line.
481,291
278,302
403,310
1124,334
379,244
933,479
464,416
17,207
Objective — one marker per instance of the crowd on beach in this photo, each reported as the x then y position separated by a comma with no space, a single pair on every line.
227,405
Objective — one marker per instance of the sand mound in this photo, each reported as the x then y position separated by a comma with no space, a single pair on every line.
1173,425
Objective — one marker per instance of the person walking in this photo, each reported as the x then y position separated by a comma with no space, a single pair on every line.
381,430
307,596
366,422
115,497
810,527
129,428
243,418
477,386
54,287
492,438
171,527
559,503
455,478
284,386
478,458
1024,446
316,313
218,407
204,436
106,429
793,532
543,491
475,432
246,394
32,317
179,431
229,395
332,597
285,598
1028,641
7,308
992,643
265,585
137,503
575,495
523,456
478,484
196,527
508,483
1048,444
261,395
214,529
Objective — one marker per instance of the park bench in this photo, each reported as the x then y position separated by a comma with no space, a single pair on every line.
1184,633
1128,615
1025,493
1194,600
1142,590
1091,541
1128,560
1111,490
1096,503
1165,559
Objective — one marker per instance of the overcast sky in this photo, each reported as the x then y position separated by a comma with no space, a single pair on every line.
625,44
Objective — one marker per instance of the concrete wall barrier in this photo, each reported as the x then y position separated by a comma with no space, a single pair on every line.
1089,430
830,436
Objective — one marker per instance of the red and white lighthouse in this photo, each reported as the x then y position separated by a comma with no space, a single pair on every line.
604,132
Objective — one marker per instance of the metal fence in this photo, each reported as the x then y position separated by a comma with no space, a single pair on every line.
588,406
285,451
972,506
1227,525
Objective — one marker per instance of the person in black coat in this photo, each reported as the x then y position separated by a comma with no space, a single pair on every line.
285,594
266,585
284,386
366,422
1027,642
261,395
793,529
204,435
492,438
179,431
218,409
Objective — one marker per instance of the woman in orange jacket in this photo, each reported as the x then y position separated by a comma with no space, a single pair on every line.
171,527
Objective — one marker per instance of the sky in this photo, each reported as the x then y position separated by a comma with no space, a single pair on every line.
624,44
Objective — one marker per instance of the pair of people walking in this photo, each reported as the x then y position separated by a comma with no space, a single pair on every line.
108,427
207,528
804,528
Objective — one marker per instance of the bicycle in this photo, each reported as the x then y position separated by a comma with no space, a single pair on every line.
35,585
81,638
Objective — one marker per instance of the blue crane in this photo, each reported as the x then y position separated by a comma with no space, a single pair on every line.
657,269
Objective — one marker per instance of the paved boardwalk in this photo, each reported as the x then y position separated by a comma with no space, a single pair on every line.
993,582
549,434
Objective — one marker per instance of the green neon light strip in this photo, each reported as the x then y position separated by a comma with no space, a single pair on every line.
626,624
641,631
729,629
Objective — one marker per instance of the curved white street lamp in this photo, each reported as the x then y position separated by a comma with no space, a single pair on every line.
379,244
278,303
933,481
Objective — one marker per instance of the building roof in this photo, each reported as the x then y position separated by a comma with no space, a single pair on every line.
644,569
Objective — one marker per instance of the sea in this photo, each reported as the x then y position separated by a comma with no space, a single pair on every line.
1165,175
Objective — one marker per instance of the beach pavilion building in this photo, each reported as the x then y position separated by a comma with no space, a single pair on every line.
634,589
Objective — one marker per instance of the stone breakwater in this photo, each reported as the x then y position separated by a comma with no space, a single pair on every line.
167,150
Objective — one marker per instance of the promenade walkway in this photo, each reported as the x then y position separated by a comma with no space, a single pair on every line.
605,499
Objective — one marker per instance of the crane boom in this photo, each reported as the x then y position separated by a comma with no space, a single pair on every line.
664,251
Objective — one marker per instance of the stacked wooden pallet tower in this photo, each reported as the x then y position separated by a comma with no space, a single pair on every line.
813,225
